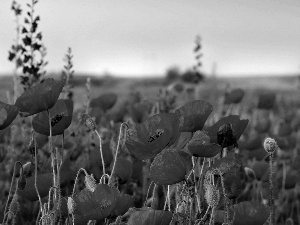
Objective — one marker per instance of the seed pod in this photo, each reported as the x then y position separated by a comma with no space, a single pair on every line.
89,122
212,195
90,182
270,145
225,136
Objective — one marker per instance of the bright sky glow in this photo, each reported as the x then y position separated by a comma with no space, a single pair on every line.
139,37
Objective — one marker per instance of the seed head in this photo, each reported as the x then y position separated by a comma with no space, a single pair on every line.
89,122
90,182
270,145
71,205
212,195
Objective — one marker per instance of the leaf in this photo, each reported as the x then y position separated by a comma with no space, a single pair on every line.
193,115
170,167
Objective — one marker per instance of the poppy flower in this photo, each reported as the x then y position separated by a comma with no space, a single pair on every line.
40,97
148,139
234,97
237,125
95,205
61,118
148,215
266,100
170,167
105,101
250,213
7,114
193,115
139,111
200,146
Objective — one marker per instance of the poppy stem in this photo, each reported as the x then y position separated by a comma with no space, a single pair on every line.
10,189
35,173
101,152
53,163
117,151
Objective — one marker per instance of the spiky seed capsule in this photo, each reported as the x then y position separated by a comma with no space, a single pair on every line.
89,122
22,182
212,195
14,205
71,205
270,145
90,182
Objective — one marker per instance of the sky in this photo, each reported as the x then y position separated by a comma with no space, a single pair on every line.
145,37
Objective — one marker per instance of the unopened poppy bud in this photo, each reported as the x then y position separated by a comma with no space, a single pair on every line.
212,195
90,182
71,205
14,205
89,122
270,145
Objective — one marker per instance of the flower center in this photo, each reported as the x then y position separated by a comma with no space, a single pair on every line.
156,135
56,119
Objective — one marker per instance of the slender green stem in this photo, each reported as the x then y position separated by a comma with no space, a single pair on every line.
117,151
271,190
35,173
101,152
10,189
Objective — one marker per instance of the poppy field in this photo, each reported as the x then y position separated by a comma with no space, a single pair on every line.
82,150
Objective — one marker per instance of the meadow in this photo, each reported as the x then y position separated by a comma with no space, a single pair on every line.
184,149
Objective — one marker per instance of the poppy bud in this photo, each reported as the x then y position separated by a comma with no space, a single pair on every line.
89,122
71,205
14,205
90,182
212,195
270,145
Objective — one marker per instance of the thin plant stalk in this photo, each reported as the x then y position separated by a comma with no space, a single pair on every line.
271,189
35,174
117,151
10,189
101,152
